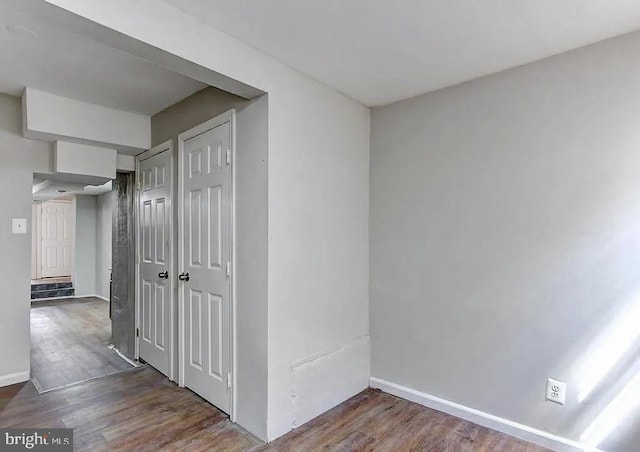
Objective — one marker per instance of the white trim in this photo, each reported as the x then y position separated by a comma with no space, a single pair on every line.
230,117
70,297
234,342
74,220
166,146
520,431
54,298
35,240
93,295
124,357
38,250
179,202
11,379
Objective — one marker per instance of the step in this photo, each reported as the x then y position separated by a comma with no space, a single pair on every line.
49,286
53,293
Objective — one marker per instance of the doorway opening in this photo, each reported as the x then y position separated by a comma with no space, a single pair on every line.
52,248
71,265
95,126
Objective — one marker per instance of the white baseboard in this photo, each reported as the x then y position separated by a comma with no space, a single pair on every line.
94,296
123,356
323,381
51,299
11,379
71,297
520,431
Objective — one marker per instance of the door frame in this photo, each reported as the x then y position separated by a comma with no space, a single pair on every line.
36,240
37,230
173,304
226,117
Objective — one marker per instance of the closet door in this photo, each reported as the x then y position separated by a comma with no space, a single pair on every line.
155,279
205,262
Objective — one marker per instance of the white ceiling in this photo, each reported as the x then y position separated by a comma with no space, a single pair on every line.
46,189
36,54
378,52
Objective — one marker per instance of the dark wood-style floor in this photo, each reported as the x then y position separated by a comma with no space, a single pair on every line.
70,342
141,410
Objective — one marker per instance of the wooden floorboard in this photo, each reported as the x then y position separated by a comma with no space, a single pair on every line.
70,342
141,410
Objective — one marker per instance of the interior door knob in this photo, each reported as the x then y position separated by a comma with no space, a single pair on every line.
163,275
183,276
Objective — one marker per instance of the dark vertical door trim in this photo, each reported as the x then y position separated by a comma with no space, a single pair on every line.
123,261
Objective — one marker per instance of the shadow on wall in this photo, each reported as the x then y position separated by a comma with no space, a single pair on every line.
606,376
613,358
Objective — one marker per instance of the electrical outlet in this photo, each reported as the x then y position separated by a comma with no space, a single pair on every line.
556,391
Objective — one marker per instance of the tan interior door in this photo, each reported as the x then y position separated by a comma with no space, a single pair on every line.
155,279
206,236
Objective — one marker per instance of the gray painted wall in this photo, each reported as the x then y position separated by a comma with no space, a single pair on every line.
93,244
84,278
505,237
104,209
20,158
251,238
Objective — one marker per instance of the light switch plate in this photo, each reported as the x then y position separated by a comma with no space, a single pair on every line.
19,226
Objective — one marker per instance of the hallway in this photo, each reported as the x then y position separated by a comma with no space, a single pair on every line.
70,342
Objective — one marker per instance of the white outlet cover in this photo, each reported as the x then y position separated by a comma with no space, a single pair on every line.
18,225
556,391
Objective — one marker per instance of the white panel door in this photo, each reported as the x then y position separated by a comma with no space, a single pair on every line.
57,238
155,249
205,261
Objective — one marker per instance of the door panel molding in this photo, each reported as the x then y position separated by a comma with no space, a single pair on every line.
150,252
57,238
191,166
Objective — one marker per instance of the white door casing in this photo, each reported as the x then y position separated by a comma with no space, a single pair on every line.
206,252
58,221
156,273
36,240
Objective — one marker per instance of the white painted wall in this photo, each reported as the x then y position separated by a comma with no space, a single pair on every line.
251,261
126,163
84,275
104,226
318,193
84,160
20,158
318,247
505,237
50,117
